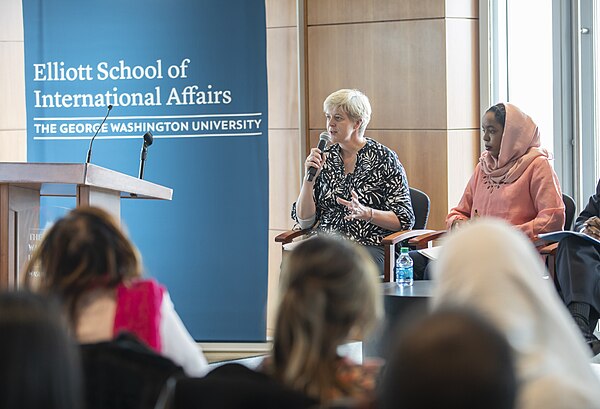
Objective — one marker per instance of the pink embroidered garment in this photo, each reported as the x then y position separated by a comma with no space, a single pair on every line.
138,311
519,186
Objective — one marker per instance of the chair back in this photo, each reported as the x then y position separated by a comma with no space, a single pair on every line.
125,374
569,211
233,386
420,204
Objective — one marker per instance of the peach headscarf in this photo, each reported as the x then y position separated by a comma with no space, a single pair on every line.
519,147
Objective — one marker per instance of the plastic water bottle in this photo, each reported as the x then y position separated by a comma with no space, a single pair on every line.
404,268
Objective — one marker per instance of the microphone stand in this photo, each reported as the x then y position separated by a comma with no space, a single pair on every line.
148,139
89,152
143,159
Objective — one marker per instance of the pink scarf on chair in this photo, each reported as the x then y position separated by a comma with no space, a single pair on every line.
138,311
519,147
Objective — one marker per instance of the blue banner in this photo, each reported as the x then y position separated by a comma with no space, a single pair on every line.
193,73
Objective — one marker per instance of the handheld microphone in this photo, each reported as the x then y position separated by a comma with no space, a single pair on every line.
89,153
148,139
323,139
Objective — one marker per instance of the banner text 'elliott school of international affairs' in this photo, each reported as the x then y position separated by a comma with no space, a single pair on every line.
194,74
119,127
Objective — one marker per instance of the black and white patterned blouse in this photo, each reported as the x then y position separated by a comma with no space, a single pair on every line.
380,182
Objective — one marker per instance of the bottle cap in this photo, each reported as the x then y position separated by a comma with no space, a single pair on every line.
403,249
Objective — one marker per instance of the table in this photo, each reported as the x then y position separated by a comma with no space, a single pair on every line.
401,305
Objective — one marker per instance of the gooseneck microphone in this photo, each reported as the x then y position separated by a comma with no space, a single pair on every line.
89,154
324,138
148,139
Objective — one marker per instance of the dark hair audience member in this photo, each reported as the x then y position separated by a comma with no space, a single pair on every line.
329,294
86,260
39,366
452,359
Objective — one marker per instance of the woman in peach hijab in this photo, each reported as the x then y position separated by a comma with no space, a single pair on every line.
513,179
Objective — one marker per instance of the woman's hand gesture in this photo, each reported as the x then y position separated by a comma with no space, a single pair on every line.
356,209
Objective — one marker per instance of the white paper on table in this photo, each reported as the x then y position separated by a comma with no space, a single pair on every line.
432,253
559,235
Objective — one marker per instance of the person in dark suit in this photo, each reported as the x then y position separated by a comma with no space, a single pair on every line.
578,272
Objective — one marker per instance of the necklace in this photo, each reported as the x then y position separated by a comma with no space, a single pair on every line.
350,164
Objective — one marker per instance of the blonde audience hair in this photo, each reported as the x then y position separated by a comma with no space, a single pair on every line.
84,250
329,292
354,103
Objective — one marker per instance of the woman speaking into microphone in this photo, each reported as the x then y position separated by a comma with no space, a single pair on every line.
360,190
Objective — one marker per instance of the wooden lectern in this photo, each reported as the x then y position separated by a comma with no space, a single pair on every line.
22,184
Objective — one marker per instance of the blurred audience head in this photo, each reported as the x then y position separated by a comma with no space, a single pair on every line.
493,269
39,366
329,293
84,250
354,103
452,359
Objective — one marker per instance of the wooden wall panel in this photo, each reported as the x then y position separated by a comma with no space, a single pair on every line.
462,9
463,151
13,137
417,62
423,155
284,176
462,68
273,281
12,84
285,141
282,77
11,20
354,11
280,13
398,65
13,146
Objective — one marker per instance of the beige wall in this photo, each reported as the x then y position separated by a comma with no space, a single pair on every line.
417,61
12,83
284,133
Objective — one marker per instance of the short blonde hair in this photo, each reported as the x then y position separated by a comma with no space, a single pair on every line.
354,103
329,291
